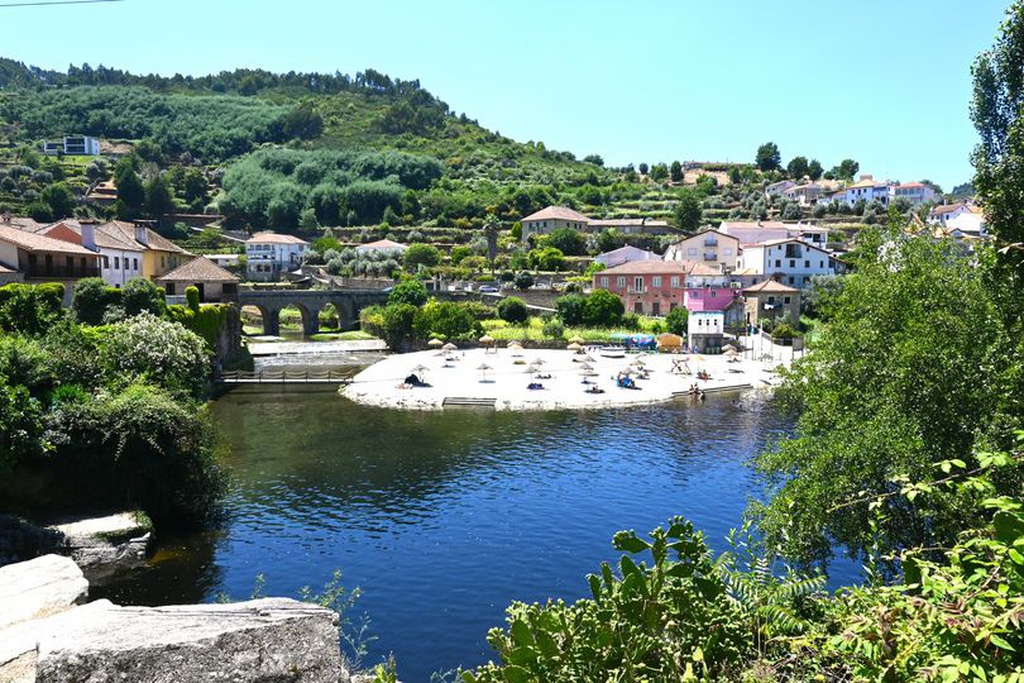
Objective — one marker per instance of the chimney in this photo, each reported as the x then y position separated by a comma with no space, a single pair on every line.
142,235
89,236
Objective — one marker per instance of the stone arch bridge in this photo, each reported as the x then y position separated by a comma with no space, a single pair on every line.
310,302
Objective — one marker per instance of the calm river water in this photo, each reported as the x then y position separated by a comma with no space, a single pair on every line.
444,518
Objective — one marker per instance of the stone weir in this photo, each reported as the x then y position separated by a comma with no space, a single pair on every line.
48,635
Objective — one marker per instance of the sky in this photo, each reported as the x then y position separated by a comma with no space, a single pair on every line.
884,82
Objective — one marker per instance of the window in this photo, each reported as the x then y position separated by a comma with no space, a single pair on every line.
604,281
714,293
792,263
638,283
135,263
620,281
778,263
771,299
692,251
807,264
821,264
785,299
791,280
727,251
656,281
674,281
638,307
117,263
106,262
163,262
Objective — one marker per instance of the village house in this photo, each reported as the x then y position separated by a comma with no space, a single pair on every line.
550,218
647,287
711,247
268,254
708,289
915,193
758,232
804,195
159,254
213,282
867,189
789,261
39,258
390,247
945,212
771,300
77,145
777,189
625,254
705,331
120,258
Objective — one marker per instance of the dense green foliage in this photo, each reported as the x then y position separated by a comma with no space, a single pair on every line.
30,309
401,322
908,371
409,291
676,320
512,309
107,416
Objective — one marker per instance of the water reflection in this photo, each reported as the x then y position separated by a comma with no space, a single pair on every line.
443,518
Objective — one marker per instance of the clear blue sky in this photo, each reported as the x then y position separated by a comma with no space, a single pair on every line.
887,83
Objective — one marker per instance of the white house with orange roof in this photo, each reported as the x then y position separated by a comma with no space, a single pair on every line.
867,190
711,247
121,258
944,213
268,254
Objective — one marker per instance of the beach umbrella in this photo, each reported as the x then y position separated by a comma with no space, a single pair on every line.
419,368
513,345
731,352
729,347
576,340
588,359
538,361
449,347
486,339
484,367
574,346
435,342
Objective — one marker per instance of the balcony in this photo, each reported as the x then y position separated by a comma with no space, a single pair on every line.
61,272
711,243
710,257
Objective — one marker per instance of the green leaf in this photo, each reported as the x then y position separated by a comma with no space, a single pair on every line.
1000,642
516,674
521,633
1016,556
629,542
595,587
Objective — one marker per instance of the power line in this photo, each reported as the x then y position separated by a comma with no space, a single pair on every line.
44,3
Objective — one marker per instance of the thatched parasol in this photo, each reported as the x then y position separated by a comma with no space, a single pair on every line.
577,340
450,347
435,342
574,346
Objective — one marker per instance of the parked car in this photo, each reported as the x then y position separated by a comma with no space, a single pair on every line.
487,289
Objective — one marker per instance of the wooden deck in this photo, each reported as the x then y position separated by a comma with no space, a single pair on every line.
283,376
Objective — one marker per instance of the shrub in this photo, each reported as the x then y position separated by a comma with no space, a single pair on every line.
140,295
192,298
602,309
523,280
553,328
570,308
419,254
513,310
90,299
676,320
145,348
30,309
409,291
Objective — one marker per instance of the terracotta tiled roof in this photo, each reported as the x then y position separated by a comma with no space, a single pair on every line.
274,238
644,267
948,208
770,286
199,269
23,223
30,241
563,213
381,244
752,224
126,231
104,240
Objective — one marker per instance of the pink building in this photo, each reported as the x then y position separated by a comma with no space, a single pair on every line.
647,287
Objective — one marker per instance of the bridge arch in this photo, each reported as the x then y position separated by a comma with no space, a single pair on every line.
310,302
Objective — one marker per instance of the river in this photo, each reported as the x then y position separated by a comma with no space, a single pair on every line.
443,518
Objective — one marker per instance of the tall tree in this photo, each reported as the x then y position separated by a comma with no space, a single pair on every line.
797,168
676,172
768,157
814,169
688,210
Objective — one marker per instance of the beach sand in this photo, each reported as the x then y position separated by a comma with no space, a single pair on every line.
458,375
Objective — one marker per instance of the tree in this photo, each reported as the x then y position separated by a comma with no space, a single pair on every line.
609,239
902,377
846,170
60,198
814,169
131,194
643,168
659,172
768,157
159,199
676,172
602,309
410,291
594,159
568,241
798,168
146,348
90,298
140,295
570,308
676,320
513,310
688,210
420,254
548,259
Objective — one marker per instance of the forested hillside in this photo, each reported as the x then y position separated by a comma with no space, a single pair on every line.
299,151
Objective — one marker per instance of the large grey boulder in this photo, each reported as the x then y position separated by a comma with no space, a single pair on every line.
273,640
38,588
106,546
